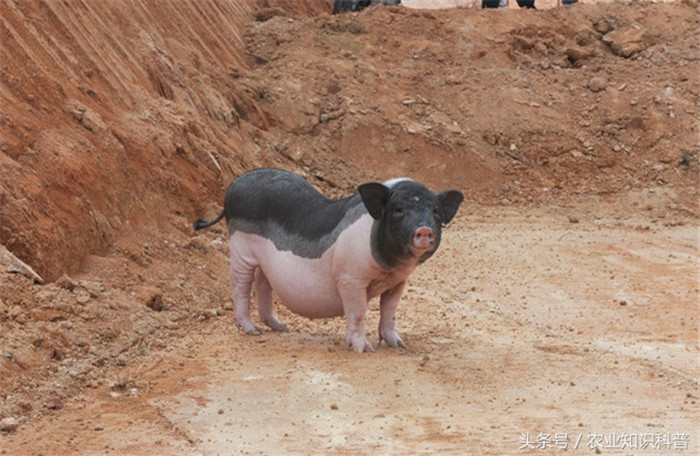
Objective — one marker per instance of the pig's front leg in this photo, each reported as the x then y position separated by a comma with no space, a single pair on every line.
354,297
388,304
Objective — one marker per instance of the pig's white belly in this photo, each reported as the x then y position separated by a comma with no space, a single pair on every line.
305,285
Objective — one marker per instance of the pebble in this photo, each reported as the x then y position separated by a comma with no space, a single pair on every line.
597,84
54,403
9,424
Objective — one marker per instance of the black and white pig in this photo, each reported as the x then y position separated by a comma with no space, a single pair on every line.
327,258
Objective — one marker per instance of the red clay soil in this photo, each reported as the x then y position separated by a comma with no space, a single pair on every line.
572,131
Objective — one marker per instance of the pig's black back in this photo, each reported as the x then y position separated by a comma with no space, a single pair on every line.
284,208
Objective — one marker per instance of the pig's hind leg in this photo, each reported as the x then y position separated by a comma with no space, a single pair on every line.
265,302
242,276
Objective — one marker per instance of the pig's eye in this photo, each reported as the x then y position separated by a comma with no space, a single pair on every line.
436,212
399,210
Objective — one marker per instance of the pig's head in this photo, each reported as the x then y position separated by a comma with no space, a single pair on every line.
408,219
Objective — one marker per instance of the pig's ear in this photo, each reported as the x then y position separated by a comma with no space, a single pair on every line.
450,201
375,196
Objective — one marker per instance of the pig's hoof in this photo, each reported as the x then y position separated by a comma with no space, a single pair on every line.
280,328
362,348
360,345
276,325
254,331
392,339
250,328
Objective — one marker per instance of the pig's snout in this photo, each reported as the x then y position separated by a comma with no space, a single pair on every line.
423,238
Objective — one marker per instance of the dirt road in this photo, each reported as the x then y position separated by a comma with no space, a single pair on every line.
526,333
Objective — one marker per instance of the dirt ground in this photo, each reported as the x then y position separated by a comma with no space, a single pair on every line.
559,315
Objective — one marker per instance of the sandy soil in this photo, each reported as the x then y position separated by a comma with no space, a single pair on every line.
561,311
523,324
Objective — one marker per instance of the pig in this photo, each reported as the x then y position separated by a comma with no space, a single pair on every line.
327,258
